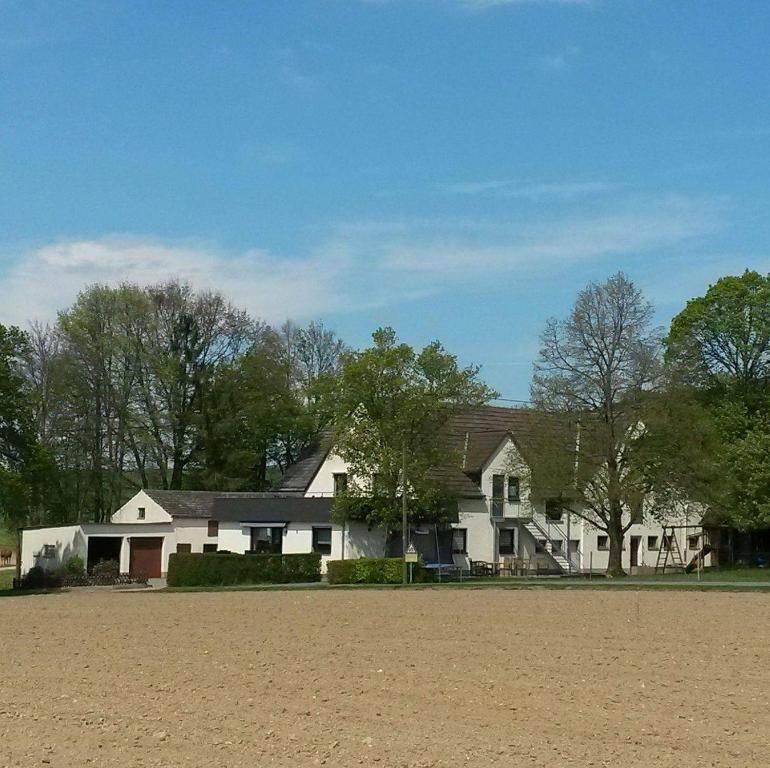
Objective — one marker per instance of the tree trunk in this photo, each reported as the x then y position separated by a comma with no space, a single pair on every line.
615,534
177,472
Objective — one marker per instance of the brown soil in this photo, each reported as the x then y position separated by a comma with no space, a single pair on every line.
393,678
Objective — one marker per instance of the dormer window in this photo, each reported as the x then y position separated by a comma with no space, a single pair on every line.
513,490
140,513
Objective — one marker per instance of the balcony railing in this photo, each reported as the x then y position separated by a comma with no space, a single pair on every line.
501,509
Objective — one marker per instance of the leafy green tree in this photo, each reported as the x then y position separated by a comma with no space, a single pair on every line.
23,464
392,403
251,408
722,340
719,345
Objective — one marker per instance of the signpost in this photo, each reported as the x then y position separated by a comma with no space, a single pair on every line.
411,557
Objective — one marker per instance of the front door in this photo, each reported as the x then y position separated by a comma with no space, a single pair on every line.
635,550
146,556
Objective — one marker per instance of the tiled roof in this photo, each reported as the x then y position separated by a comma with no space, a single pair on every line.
196,504
184,503
478,432
473,435
300,474
272,508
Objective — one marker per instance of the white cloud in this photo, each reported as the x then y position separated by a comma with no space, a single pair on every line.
476,187
361,264
469,252
43,280
529,190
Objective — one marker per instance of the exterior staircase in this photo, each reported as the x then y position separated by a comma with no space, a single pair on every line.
560,555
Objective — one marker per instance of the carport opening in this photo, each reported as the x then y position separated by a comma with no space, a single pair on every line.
102,548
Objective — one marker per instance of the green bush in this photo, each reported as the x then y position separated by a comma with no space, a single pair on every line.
75,566
106,568
371,570
214,569
38,578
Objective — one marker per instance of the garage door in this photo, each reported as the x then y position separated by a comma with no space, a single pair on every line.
146,557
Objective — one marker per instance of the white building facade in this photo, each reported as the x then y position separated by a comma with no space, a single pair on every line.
500,521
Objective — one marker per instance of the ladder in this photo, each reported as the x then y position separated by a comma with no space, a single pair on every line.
669,554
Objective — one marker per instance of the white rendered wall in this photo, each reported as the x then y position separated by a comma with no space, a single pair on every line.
362,542
323,482
68,540
129,512
298,539
480,533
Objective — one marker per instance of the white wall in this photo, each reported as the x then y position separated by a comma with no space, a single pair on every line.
194,532
362,542
480,533
68,540
323,483
298,539
129,512
508,461
647,558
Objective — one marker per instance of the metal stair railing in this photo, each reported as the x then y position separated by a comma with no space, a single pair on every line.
562,533
565,555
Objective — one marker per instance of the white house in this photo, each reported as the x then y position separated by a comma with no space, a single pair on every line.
153,524
499,517
500,520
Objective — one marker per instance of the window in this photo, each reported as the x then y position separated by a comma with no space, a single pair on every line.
513,490
667,541
340,483
574,546
539,546
553,511
209,547
140,513
459,541
49,551
506,541
652,542
213,527
603,542
183,548
267,540
322,540
557,546
693,542
498,495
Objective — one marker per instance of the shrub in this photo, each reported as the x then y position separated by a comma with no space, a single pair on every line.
216,569
38,578
106,568
75,566
371,570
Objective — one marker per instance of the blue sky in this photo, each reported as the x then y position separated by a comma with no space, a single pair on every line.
457,169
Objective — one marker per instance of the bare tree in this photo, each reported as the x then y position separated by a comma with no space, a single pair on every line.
600,363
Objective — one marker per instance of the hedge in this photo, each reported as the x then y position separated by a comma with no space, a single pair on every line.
371,570
213,569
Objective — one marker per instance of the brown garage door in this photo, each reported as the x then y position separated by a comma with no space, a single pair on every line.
146,557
